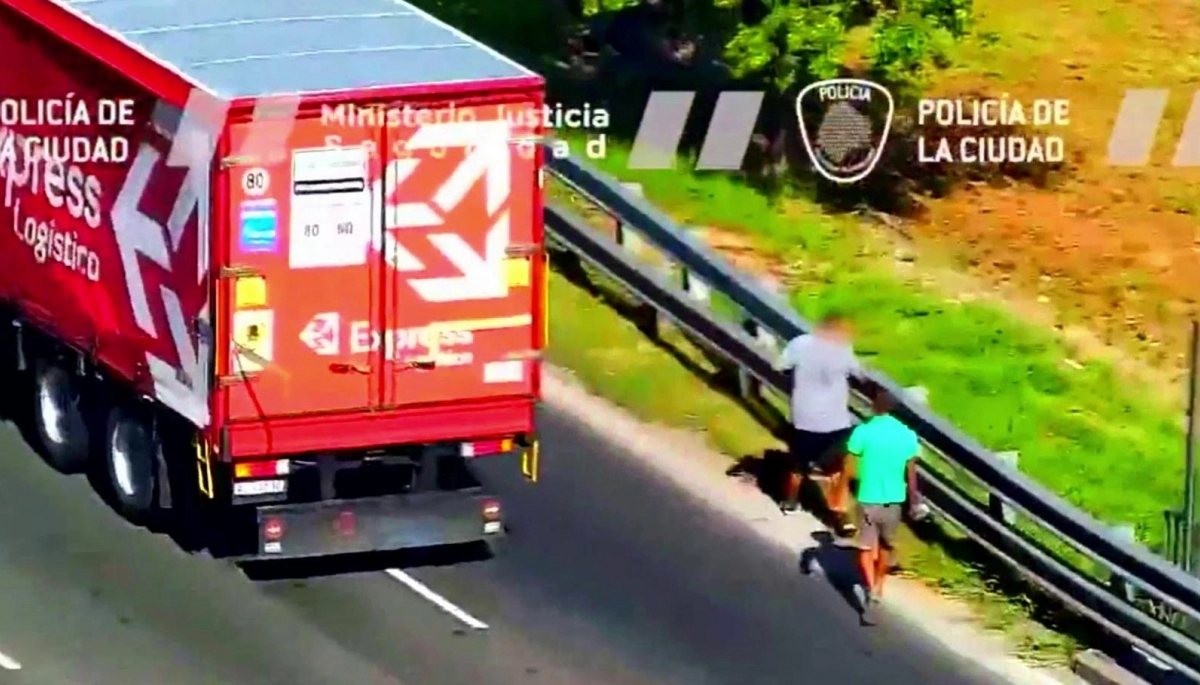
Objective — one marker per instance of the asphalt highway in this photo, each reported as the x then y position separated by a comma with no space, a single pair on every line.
611,577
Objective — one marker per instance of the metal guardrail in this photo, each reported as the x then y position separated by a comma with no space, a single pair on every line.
1130,617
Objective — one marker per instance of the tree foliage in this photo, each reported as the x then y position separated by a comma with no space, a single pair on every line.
786,42
594,7
906,41
793,42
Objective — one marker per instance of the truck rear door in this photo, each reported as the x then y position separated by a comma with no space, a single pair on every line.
301,272
385,262
461,245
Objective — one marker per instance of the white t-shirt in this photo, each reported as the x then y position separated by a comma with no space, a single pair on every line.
821,370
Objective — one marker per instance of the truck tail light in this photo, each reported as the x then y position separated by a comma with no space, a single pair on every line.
346,524
491,510
492,524
482,448
272,530
261,469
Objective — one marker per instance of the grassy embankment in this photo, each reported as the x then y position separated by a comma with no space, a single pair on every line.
1079,429
915,336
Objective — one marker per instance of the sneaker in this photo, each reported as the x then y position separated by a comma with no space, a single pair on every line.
867,616
861,596
807,561
810,563
866,605
843,527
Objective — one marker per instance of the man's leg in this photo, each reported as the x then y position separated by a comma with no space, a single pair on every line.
868,566
791,490
888,524
839,495
880,572
795,468
839,484
840,468
868,550
868,546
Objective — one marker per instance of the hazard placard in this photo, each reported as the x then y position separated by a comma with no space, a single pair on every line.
253,340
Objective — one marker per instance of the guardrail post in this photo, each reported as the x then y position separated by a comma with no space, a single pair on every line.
748,384
1175,532
997,507
918,394
696,289
1121,587
632,241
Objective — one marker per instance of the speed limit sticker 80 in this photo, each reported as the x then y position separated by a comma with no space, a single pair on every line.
255,182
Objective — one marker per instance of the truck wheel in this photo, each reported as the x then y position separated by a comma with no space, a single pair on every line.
58,419
129,458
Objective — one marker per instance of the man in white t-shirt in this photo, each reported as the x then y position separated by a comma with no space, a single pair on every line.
821,363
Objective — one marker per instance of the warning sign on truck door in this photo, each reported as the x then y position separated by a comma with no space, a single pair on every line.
253,340
331,208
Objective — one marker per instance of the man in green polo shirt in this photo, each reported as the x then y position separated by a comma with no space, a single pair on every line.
886,451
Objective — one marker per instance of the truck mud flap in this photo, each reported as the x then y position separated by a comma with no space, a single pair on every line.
376,524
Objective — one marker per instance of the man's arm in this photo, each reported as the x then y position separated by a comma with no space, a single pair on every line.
916,505
789,357
854,444
853,366
914,492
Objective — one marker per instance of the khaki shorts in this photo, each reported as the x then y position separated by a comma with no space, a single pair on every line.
877,525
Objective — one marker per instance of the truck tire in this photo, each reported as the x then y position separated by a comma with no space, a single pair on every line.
58,418
130,463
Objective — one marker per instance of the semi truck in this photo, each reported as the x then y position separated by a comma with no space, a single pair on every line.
274,270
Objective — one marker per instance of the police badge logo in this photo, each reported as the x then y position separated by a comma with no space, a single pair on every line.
845,123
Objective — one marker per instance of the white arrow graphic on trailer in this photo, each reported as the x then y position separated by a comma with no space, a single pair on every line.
192,148
184,389
408,214
488,160
405,215
323,334
483,275
138,234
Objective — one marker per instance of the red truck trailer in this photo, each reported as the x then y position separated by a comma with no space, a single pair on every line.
274,267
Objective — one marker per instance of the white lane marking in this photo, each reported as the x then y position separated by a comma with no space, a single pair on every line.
8,663
437,600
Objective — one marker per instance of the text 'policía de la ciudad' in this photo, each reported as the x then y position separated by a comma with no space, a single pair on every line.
990,115
75,122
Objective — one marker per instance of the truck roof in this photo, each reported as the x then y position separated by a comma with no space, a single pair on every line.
254,48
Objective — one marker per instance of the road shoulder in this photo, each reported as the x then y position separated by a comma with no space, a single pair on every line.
685,459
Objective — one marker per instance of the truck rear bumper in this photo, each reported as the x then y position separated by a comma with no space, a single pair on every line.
376,524
355,430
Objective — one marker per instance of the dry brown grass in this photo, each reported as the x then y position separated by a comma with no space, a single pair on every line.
1115,250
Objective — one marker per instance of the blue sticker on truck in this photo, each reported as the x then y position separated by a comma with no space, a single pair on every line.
260,226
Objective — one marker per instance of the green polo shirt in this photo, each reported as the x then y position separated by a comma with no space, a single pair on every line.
883,446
